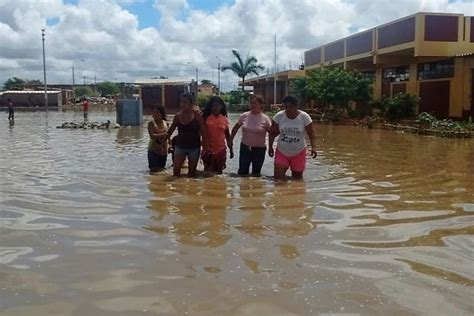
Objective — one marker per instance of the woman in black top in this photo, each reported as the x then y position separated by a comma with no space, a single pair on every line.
191,134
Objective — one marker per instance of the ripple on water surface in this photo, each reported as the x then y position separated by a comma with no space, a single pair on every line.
382,224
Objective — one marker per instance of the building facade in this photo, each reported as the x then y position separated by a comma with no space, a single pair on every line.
31,98
207,89
163,92
427,54
264,85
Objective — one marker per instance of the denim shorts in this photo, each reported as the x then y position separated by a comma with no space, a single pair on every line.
191,153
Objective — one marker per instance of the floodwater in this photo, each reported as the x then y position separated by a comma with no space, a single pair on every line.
382,224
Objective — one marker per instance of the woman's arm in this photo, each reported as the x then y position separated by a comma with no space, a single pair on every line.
203,131
272,133
310,132
235,129
228,139
173,126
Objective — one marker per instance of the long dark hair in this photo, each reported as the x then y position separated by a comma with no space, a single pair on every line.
160,109
207,111
189,96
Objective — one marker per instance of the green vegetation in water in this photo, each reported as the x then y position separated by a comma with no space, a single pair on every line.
427,120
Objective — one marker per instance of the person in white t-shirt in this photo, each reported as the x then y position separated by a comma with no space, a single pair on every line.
291,124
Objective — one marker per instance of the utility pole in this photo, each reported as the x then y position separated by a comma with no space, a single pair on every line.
44,74
197,82
95,83
274,71
73,79
84,80
219,78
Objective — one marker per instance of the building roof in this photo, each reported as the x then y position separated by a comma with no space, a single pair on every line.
286,74
159,82
28,92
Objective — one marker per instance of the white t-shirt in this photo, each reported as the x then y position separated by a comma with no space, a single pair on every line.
292,132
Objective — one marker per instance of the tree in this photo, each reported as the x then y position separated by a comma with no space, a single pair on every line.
206,81
83,91
334,86
236,96
107,88
14,84
242,68
34,82
300,88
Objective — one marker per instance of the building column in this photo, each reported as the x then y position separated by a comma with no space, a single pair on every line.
468,81
378,82
457,89
163,96
412,84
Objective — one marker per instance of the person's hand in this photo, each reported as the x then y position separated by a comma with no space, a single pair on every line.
271,152
231,153
314,153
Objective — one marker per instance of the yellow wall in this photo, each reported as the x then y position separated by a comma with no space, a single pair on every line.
413,80
378,83
467,80
460,84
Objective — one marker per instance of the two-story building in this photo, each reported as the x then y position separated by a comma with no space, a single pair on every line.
427,54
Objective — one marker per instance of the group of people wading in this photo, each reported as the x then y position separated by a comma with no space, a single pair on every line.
206,135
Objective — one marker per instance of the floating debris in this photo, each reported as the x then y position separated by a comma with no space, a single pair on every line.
88,125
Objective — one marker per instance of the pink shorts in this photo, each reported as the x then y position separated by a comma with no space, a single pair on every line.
295,163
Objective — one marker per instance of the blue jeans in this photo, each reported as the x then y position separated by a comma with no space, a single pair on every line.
191,153
254,156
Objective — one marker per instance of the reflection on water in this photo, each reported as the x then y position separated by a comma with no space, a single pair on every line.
382,224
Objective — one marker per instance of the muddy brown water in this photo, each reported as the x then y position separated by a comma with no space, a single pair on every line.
382,224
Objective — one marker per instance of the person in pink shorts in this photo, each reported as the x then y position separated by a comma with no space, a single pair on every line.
291,124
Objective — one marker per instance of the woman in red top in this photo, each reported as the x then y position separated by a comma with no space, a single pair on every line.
217,125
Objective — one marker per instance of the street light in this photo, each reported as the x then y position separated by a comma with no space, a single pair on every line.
74,77
197,79
44,74
218,76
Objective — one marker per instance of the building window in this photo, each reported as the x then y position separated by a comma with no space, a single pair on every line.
397,74
436,70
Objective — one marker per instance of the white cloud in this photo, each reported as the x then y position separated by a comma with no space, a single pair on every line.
171,8
107,36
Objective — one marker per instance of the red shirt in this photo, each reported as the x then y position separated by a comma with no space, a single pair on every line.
216,126
85,106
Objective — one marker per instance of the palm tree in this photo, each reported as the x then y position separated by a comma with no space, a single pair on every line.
243,68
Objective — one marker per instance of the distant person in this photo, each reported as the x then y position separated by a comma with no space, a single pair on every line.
191,134
158,145
291,124
85,108
11,110
217,124
255,126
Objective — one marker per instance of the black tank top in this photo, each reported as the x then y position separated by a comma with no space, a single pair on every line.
188,135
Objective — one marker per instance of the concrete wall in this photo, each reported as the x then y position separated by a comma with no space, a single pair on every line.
31,99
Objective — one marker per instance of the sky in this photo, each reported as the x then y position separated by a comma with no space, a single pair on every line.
128,40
